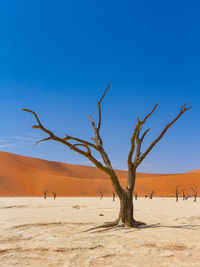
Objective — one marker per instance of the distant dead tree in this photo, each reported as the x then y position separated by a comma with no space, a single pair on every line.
135,157
113,196
54,194
45,194
177,191
136,195
183,194
101,195
151,194
195,193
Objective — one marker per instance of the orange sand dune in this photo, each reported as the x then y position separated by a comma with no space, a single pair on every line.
25,176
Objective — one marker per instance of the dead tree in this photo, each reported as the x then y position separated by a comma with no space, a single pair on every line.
183,194
113,196
195,193
177,191
101,195
54,194
136,195
45,194
151,194
135,157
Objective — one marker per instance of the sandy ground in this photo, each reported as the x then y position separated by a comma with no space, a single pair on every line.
38,232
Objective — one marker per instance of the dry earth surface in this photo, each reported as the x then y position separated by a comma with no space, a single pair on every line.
38,232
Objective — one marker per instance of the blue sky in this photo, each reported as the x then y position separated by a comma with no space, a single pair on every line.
56,57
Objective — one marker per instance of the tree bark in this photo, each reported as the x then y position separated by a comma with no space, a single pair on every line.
126,211
126,201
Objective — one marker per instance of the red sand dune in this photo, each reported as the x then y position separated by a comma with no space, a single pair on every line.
25,176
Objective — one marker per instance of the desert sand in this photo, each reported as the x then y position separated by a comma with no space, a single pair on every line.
25,176
37,232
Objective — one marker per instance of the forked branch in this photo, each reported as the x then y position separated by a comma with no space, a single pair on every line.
97,139
87,145
139,142
183,109
177,191
64,141
195,193
135,136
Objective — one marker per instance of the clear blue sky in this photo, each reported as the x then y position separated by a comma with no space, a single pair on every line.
56,57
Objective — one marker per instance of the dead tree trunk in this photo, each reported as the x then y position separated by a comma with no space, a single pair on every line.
151,194
85,148
183,195
45,194
113,196
195,193
101,195
136,195
177,191
54,194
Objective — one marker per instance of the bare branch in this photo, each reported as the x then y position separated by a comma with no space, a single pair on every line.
99,105
68,137
71,146
82,143
87,147
182,111
97,139
104,93
39,126
45,139
144,134
136,135
150,113
139,142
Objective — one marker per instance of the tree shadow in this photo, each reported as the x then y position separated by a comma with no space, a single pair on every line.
156,225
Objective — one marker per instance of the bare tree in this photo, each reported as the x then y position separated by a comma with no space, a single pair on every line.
183,194
136,195
177,191
45,194
54,194
151,194
84,148
195,193
113,196
101,195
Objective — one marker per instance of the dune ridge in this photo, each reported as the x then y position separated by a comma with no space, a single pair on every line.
26,176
